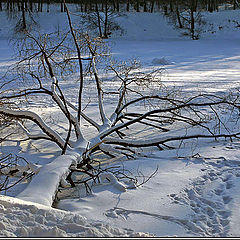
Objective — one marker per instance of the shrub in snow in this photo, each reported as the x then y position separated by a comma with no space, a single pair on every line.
161,61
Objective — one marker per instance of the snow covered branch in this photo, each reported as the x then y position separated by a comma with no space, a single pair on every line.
20,114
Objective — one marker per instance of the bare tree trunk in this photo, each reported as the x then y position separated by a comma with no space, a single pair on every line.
152,6
80,67
137,6
235,4
48,5
62,7
210,5
117,5
114,6
195,5
18,6
24,25
40,6
102,6
165,8
106,21
171,6
216,5
90,6
99,21
145,6
192,23
85,9
30,6
178,17
128,5
10,6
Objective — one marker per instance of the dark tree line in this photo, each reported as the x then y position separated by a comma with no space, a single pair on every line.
184,14
167,6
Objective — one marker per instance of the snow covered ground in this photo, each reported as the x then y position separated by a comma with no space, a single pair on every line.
189,196
196,189
26,219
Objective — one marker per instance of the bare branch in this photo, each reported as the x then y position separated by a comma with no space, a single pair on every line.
170,109
163,140
79,61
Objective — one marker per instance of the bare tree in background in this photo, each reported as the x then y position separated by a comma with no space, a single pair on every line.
187,16
103,19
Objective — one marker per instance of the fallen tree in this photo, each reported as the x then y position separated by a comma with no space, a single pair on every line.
139,100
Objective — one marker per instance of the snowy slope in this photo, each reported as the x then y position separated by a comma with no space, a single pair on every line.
137,26
223,24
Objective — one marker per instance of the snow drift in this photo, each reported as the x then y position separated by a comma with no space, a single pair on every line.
20,218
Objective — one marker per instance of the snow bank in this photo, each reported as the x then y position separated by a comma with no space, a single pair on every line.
136,26
147,26
24,219
221,25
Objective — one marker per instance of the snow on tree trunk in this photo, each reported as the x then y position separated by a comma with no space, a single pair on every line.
42,189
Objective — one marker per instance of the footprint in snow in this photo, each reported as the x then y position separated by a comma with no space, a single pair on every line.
207,197
226,199
229,185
